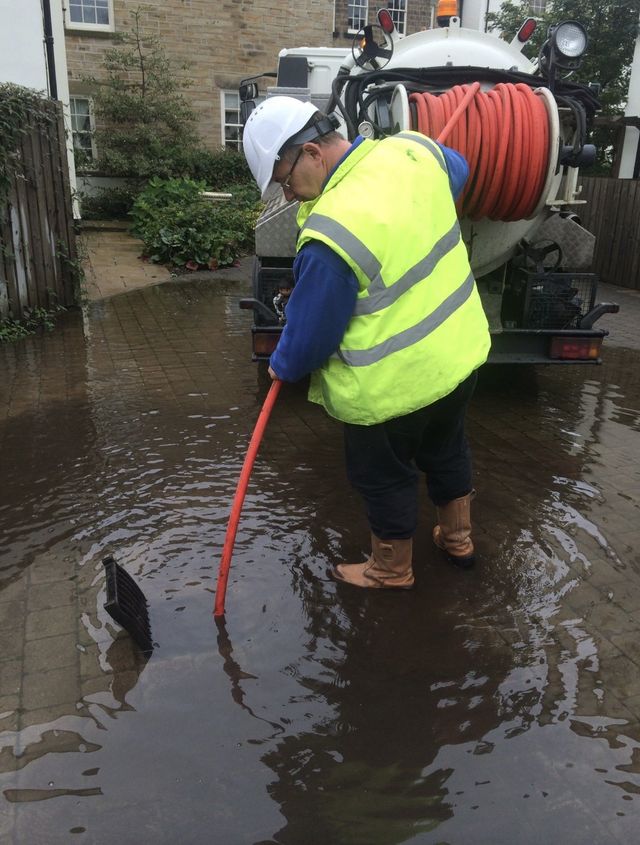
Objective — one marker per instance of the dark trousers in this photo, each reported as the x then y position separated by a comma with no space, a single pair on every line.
384,462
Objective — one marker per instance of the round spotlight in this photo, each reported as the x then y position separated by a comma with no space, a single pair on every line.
570,39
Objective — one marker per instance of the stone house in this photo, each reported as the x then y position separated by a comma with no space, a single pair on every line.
223,41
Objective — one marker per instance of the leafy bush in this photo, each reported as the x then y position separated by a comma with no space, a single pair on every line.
246,195
20,109
223,170
178,226
108,203
218,169
35,320
146,127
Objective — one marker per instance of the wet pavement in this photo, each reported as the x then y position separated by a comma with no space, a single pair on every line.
500,705
113,260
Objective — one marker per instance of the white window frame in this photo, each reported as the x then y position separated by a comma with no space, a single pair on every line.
224,124
92,124
399,8
228,144
364,6
88,27
537,7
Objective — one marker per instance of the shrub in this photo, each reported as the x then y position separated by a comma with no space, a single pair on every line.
218,169
147,127
224,170
178,226
162,193
34,321
108,203
245,195
20,109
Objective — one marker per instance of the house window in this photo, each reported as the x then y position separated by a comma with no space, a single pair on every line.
231,120
398,9
357,14
231,125
537,7
82,129
89,14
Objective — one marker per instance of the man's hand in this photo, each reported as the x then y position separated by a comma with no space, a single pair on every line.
273,376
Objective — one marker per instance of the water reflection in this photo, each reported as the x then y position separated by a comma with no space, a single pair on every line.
236,675
475,664
499,705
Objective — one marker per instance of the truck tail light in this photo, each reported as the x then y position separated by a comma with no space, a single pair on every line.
575,348
386,21
526,30
264,343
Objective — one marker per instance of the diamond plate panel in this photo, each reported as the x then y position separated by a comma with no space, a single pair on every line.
276,229
576,243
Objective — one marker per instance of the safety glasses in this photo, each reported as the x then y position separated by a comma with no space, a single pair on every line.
285,183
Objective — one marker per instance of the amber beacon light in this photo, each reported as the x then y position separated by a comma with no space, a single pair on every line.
446,10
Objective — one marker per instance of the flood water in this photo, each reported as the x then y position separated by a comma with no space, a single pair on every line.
498,705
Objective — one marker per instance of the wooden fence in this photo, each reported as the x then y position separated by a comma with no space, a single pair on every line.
612,213
38,257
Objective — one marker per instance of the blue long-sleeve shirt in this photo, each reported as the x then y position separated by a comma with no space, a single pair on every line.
324,296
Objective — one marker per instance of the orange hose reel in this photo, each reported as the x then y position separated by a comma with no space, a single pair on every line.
504,135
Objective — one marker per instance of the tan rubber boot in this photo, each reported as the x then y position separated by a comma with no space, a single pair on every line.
453,531
388,567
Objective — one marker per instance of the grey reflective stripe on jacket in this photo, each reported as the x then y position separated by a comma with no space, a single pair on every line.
380,296
414,334
340,235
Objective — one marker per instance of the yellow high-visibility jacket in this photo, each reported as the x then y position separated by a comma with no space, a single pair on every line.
418,328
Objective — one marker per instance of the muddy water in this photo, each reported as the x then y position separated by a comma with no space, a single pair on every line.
499,705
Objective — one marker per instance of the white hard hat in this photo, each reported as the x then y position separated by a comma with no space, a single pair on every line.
270,125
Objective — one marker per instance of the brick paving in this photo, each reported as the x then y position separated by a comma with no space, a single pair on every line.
112,261
160,377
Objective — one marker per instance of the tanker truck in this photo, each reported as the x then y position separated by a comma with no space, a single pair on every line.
523,127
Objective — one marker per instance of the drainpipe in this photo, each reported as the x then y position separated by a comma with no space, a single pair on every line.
48,43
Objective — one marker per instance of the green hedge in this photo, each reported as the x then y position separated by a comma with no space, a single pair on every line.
217,170
108,203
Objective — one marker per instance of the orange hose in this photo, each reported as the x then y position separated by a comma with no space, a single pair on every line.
241,489
504,135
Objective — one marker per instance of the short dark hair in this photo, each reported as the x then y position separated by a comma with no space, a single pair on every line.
322,141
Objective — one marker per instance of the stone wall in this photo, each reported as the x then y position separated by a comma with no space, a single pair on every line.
223,42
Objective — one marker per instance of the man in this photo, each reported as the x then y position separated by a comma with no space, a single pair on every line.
386,317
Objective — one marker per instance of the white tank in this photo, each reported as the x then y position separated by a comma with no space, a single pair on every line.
491,243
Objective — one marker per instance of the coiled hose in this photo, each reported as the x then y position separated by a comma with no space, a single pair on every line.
504,135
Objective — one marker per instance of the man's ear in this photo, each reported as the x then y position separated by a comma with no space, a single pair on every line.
312,150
